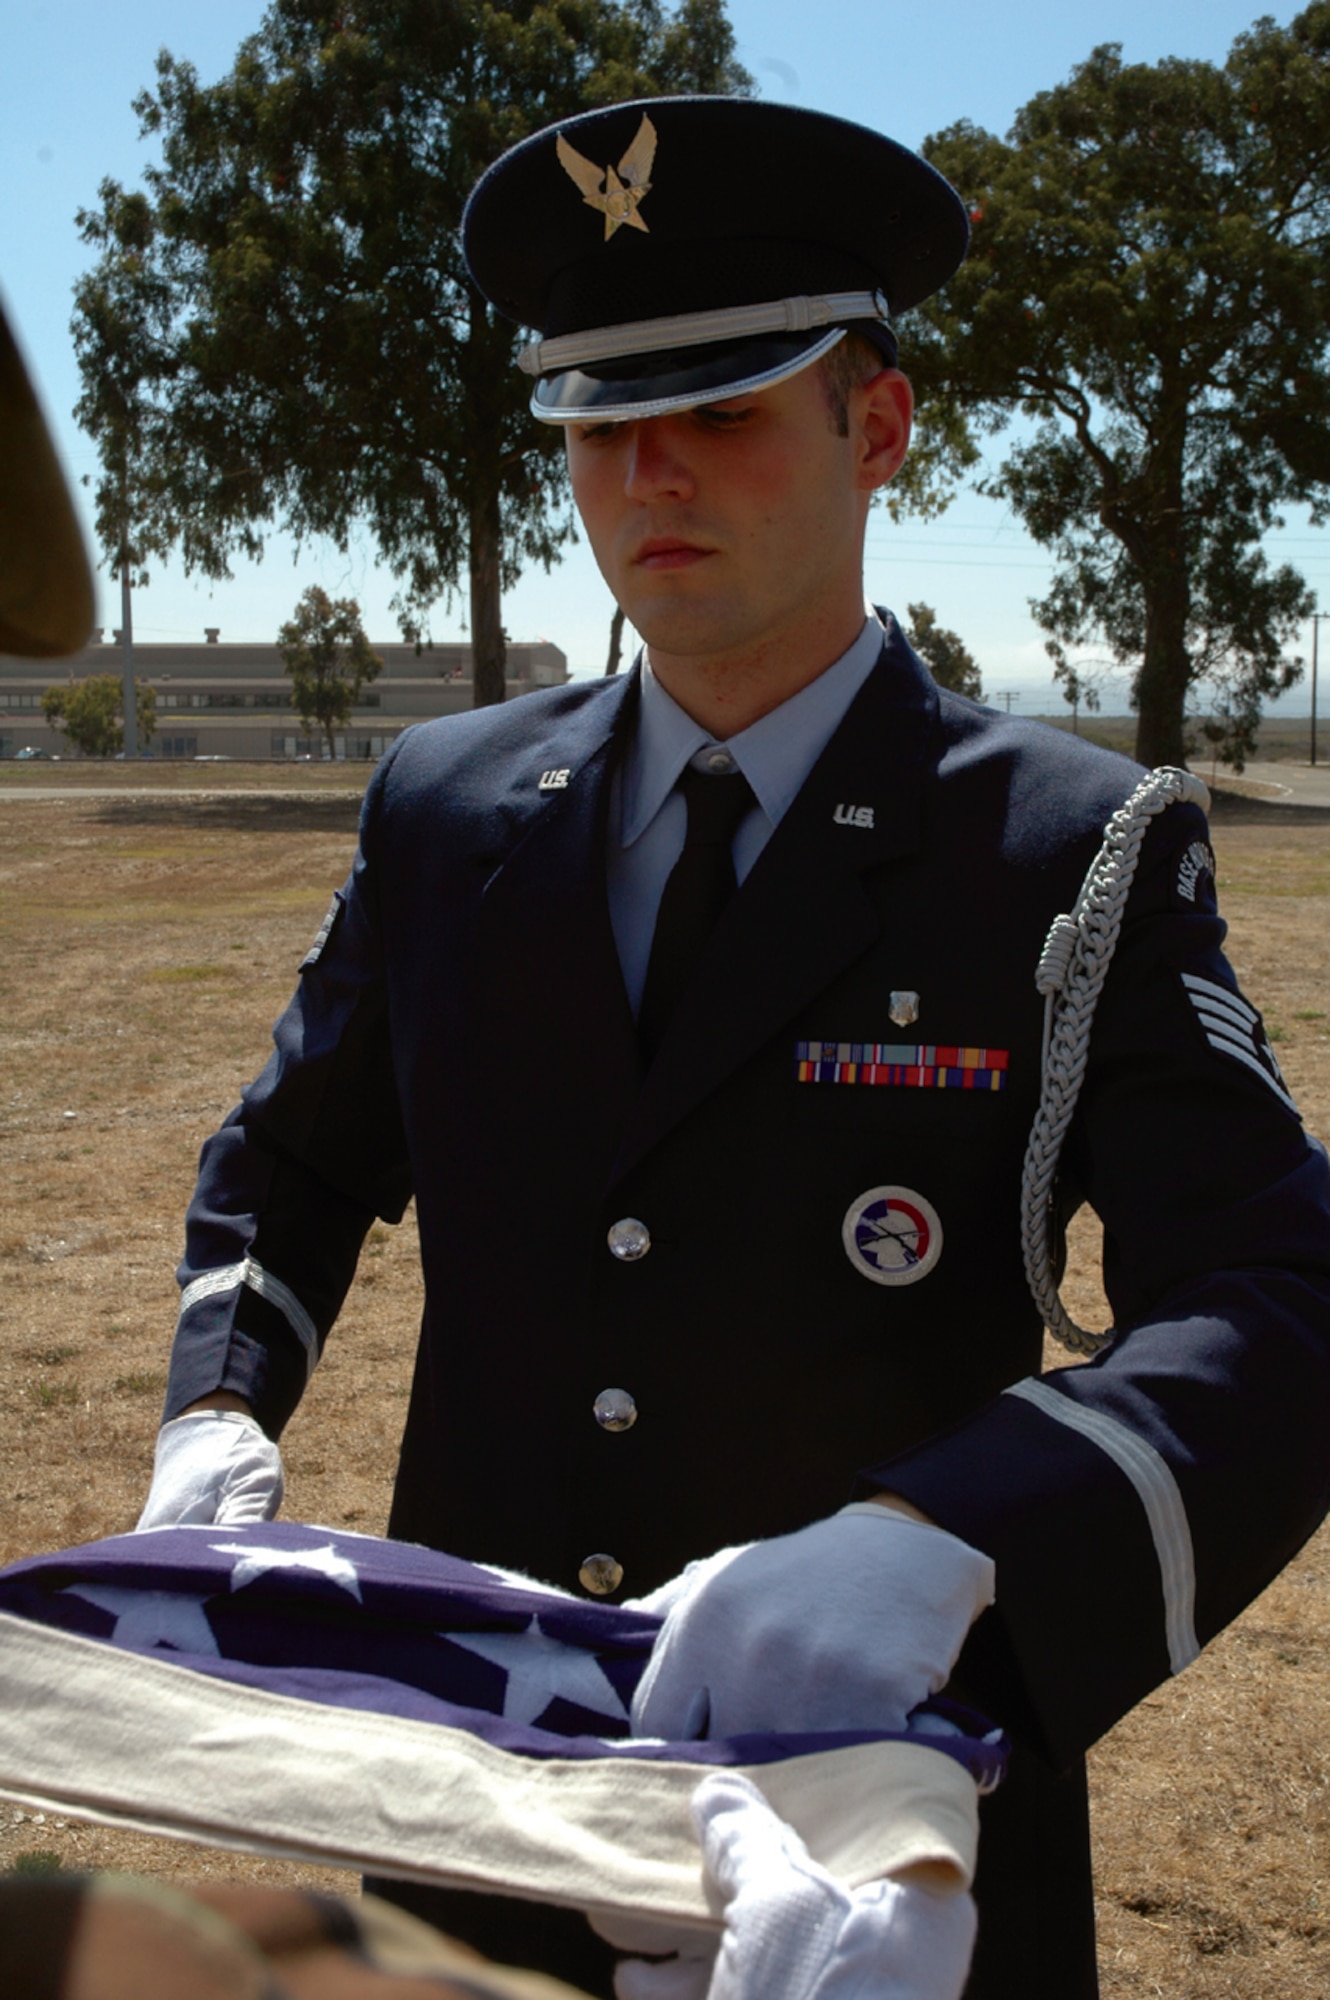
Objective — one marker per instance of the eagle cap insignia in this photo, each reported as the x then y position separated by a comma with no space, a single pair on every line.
617,192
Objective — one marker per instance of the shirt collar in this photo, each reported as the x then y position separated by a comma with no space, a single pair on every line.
775,753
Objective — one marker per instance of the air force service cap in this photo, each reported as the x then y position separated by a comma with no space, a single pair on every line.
682,250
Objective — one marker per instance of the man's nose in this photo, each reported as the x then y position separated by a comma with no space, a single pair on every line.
657,467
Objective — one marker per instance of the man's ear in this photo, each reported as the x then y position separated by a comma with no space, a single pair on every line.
881,413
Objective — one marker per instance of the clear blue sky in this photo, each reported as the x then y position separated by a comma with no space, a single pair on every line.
71,69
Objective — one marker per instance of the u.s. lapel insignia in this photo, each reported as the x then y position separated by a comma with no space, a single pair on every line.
554,781
860,816
618,195
904,1009
892,1235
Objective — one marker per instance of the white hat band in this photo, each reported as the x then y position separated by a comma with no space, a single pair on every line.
649,336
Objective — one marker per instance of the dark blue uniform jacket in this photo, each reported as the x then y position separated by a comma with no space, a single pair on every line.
462,1035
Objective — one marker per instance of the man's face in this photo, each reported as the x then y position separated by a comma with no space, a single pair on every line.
730,528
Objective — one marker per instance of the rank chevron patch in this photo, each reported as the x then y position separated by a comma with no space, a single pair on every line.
1233,1028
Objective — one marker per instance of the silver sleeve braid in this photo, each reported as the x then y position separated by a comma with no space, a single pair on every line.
1072,968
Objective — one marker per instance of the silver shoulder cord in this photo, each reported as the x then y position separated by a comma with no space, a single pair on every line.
1072,968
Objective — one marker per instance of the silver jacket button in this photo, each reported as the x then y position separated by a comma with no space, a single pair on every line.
600,1575
615,1410
628,1239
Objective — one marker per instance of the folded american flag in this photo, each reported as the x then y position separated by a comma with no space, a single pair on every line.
304,1691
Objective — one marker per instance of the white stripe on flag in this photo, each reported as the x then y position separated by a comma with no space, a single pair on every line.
234,1766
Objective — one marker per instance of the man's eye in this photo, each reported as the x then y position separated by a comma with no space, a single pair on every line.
589,433
722,420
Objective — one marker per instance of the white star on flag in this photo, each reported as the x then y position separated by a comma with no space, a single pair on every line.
256,1562
539,1669
146,1618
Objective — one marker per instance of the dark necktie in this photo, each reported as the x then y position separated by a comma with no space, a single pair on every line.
701,883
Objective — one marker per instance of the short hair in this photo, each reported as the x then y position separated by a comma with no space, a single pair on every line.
850,362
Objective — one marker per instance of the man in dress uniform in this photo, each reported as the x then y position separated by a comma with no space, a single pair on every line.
698,1011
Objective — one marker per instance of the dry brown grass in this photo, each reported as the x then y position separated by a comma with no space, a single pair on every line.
146,943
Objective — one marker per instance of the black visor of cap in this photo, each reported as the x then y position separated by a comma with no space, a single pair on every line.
642,385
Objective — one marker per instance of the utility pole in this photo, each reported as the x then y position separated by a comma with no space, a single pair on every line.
129,694
1317,617
1007,696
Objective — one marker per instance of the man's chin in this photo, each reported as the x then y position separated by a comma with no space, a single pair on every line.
684,630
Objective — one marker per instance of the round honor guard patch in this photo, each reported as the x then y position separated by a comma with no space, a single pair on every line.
892,1235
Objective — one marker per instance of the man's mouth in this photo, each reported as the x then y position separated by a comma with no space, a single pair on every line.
668,552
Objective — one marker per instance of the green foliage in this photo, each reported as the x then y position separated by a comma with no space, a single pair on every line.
90,713
56,1395
141,1382
946,656
122,331
286,313
1080,685
1149,287
36,1861
329,659
1230,727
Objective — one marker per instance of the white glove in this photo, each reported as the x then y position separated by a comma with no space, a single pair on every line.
213,1466
792,1931
847,1624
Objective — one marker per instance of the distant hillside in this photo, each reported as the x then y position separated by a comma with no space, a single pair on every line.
1278,739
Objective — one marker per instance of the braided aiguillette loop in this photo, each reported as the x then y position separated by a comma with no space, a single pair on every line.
1072,969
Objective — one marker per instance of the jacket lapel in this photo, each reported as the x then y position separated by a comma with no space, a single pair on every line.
546,979
805,911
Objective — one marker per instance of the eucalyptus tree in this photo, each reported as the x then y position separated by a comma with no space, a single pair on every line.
310,352
1149,286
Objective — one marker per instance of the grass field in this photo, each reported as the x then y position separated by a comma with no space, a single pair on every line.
147,940
1280,739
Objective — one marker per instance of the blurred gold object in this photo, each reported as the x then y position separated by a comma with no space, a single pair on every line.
46,603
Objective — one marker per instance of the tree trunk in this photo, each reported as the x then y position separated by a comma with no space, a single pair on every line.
1161,691
488,651
1155,538
616,640
129,693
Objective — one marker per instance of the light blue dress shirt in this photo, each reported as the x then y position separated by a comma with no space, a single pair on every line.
648,818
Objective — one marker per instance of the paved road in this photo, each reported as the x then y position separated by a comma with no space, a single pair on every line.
8,792
1282,784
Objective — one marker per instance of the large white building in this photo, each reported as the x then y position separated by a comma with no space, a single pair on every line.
224,700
